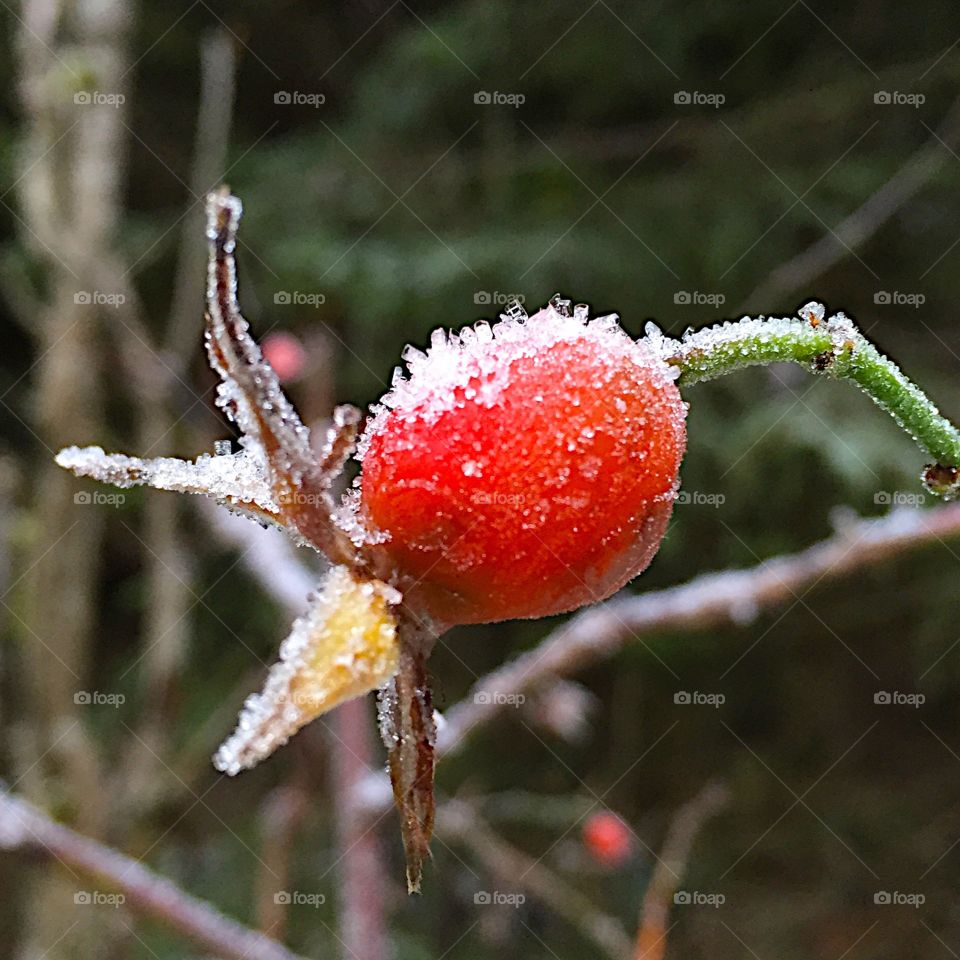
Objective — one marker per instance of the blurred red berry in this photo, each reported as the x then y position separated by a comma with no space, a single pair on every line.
607,838
284,352
524,470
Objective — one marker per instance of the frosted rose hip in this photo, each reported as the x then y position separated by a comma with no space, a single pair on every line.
523,470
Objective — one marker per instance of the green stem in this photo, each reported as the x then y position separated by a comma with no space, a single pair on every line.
832,347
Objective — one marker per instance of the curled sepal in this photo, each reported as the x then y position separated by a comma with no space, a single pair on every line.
250,394
409,732
237,480
344,646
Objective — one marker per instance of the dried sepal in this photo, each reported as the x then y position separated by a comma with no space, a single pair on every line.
341,441
344,646
237,480
250,394
409,732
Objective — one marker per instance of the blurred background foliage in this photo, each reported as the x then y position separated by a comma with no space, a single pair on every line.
407,205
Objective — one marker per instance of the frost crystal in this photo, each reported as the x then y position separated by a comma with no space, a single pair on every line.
813,312
237,479
473,364
343,646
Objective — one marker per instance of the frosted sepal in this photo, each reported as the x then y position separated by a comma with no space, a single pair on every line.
238,479
343,646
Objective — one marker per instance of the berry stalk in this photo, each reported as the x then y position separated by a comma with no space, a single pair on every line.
833,347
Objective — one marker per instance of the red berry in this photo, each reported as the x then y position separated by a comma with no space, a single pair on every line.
607,838
523,470
284,352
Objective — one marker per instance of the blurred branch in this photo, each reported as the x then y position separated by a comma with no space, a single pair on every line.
70,192
282,815
217,92
24,827
459,821
856,229
361,894
734,596
670,867
267,555
154,375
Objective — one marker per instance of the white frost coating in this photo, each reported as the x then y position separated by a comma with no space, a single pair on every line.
730,338
386,707
813,312
328,657
238,478
250,392
474,363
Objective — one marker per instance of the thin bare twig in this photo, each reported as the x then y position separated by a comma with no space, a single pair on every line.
670,868
281,817
798,272
24,827
360,893
458,821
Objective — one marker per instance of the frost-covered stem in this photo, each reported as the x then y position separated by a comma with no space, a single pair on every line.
833,347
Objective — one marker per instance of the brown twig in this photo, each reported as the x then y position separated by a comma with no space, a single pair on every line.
282,816
670,867
410,734
458,821
360,893
24,827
